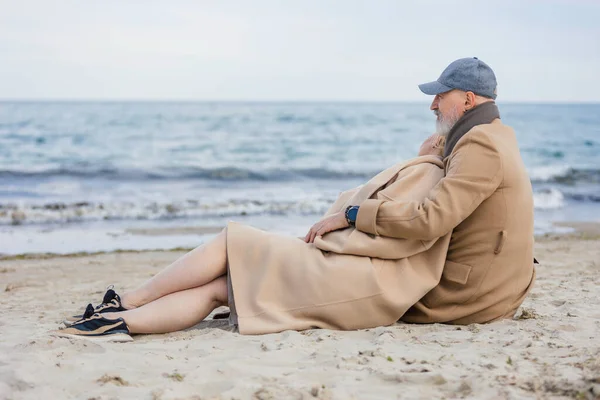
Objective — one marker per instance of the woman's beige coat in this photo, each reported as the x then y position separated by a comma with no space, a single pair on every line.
347,279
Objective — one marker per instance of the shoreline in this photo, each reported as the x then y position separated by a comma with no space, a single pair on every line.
580,231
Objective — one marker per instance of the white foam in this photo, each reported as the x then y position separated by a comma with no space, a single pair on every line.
548,172
26,214
548,199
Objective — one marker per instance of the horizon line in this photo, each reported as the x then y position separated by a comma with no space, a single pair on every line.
280,101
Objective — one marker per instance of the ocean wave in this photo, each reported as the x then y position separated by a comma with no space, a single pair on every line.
19,214
548,172
63,212
548,199
564,174
220,174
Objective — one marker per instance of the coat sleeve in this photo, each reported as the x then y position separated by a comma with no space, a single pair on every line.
474,173
413,182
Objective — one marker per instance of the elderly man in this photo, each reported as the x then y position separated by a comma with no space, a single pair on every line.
485,199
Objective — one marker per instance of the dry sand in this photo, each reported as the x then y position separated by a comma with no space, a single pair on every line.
551,351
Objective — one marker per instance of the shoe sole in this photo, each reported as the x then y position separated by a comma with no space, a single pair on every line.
113,337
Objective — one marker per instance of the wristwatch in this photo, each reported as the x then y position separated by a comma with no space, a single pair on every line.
351,214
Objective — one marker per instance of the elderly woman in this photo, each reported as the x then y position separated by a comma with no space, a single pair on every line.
336,277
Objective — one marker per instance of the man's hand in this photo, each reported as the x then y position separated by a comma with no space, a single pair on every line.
332,223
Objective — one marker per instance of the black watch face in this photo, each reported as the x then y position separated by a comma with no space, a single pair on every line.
352,213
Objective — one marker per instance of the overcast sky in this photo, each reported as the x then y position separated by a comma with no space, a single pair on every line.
371,50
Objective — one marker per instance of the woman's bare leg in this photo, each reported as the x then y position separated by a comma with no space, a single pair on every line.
197,268
175,311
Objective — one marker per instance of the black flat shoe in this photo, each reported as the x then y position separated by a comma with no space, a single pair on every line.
110,303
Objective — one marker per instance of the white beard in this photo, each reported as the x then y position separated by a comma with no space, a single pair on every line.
443,125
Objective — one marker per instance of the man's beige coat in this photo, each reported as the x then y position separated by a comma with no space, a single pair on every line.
347,279
486,201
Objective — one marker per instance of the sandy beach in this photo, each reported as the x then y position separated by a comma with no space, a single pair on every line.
550,350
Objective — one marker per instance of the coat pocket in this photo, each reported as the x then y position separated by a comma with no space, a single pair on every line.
500,243
452,288
456,272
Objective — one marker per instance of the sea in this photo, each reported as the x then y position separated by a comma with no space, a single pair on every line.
102,176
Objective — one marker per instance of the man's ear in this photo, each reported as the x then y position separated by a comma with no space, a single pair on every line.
469,100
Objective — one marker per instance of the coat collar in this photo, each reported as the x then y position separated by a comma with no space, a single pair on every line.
482,114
